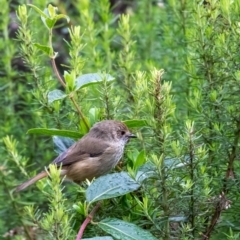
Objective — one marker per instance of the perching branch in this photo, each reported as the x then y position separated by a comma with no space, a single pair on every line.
87,220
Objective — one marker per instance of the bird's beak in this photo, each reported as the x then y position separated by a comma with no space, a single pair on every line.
132,135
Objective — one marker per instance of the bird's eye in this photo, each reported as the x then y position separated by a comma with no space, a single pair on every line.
122,132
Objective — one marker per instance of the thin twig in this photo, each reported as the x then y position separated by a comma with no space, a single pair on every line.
71,96
79,111
57,73
222,204
87,220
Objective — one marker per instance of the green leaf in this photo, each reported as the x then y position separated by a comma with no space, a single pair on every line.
49,16
51,11
70,80
141,158
83,127
46,20
54,132
178,219
136,123
173,163
145,171
61,144
38,10
44,48
94,115
110,186
49,22
56,95
124,230
60,16
92,78
99,238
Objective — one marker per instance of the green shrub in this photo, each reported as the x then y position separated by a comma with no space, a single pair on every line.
85,63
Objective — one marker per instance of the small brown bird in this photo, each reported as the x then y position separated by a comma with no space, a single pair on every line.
93,155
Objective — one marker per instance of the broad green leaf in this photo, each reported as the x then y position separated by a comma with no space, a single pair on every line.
38,10
92,78
49,22
54,132
149,169
175,162
94,114
141,159
132,155
178,219
136,123
84,128
110,186
44,48
124,230
61,144
56,95
60,16
145,171
49,16
99,238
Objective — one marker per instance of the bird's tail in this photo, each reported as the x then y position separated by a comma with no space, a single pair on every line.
31,181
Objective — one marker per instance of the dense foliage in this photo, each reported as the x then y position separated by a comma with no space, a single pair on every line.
171,66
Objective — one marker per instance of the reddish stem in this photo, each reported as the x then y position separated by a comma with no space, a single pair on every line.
87,220
57,73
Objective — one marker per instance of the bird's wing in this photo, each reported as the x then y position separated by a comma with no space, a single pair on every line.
81,150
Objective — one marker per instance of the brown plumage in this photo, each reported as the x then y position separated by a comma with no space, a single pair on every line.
93,155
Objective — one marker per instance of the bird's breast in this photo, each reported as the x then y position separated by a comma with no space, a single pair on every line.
96,166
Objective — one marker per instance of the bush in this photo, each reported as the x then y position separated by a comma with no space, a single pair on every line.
87,62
